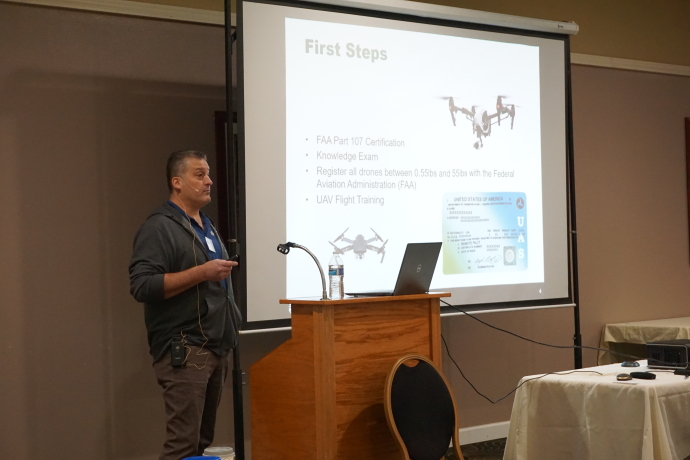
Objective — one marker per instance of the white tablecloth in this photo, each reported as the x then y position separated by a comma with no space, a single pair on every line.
585,416
641,332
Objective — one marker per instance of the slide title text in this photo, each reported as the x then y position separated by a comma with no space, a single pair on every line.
350,50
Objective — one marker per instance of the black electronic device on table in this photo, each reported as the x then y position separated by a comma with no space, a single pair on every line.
416,271
669,354
643,375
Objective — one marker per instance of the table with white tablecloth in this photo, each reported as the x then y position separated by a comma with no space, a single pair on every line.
588,416
640,332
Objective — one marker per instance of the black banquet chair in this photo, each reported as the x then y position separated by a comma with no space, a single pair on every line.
420,409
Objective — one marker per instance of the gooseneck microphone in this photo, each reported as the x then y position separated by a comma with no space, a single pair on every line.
284,248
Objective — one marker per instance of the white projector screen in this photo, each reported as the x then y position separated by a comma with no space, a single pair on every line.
361,134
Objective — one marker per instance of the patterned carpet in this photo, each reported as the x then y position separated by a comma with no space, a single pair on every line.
488,450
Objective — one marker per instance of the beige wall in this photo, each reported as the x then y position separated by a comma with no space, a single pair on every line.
631,196
90,106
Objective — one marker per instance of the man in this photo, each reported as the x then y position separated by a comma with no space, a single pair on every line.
181,272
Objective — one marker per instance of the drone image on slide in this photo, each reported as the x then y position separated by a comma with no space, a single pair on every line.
481,120
359,245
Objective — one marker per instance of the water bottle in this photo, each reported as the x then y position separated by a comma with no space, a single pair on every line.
336,290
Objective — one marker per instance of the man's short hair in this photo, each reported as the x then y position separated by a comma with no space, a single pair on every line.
177,163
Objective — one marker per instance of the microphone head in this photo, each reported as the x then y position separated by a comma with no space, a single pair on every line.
284,248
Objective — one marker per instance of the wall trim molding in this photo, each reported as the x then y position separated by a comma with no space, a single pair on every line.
629,64
481,433
216,18
139,9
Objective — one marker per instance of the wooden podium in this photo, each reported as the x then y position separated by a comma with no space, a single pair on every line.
319,395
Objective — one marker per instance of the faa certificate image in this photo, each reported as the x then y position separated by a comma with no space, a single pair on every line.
388,131
484,232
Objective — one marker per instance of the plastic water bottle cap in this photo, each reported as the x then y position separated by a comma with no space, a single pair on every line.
218,451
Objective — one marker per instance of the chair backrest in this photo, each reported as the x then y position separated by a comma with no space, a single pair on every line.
420,409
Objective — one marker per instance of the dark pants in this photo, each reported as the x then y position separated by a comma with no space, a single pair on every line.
191,398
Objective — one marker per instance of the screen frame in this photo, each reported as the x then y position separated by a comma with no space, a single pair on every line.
237,199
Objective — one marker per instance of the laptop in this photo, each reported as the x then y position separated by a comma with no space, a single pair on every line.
416,271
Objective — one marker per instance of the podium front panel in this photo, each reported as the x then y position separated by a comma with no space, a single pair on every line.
320,394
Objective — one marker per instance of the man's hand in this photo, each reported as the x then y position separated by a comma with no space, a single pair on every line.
213,270
217,270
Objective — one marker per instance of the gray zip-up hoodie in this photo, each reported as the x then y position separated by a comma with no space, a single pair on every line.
165,243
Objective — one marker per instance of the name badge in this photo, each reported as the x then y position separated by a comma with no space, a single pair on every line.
209,243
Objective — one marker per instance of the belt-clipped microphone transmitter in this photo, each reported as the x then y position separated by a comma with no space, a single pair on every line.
177,352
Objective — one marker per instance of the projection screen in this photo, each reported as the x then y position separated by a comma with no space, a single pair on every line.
362,131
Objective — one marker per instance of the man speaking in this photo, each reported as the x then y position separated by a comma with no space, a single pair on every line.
181,272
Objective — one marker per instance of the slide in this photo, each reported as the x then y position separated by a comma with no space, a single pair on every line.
400,136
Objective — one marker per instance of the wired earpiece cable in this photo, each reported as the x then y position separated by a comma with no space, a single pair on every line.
201,351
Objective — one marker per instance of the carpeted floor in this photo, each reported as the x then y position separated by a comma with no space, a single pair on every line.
488,450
